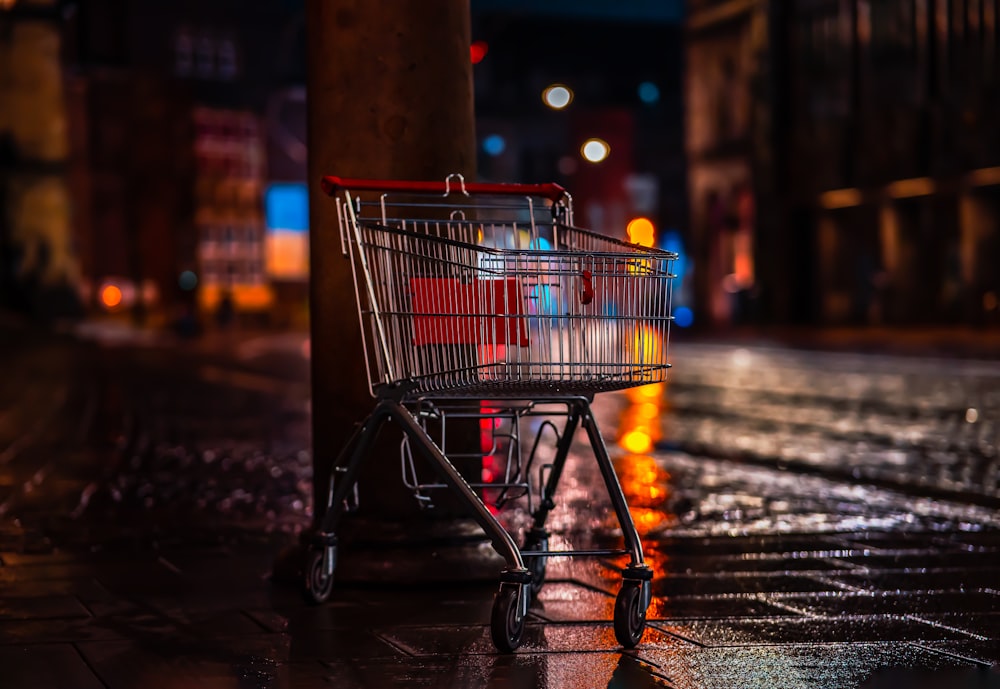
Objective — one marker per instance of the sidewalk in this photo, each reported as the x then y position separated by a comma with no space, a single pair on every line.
962,342
115,604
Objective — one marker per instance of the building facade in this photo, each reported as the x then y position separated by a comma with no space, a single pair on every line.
171,114
868,136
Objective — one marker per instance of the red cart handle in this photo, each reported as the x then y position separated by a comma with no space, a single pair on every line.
550,190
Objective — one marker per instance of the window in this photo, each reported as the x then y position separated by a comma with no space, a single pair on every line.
183,52
893,32
226,58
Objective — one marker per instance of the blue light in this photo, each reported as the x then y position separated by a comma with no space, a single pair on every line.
649,92
683,316
494,144
187,280
286,206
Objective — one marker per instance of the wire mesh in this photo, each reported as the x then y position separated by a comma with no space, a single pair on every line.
444,315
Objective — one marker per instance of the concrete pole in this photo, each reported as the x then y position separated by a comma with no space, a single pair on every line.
389,96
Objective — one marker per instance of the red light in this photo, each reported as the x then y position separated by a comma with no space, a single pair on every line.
111,296
478,50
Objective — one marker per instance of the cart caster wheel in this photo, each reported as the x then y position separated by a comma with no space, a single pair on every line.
506,622
318,584
630,613
536,565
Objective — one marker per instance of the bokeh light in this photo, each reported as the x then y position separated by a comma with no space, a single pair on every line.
478,50
187,280
649,92
637,441
641,231
111,296
494,144
595,150
557,96
684,316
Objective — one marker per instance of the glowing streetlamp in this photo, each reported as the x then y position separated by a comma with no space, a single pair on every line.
595,150
557,96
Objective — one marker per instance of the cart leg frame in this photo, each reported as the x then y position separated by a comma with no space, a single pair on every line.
355,451
516,591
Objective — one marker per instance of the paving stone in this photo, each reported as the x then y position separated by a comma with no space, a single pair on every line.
16,559
738,545
580,671
450,605
549,638
304,619
796,666
708,607
984,653
178,664
892,678
924,559
570,602
205,601
87,590
787,630
684,585
41,607
331,644
951,579
753,563
887,602
45,666
985,624
901,540
67,630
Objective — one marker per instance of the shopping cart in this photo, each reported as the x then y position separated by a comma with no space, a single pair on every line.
485,301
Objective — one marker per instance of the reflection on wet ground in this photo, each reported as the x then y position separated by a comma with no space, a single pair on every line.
812,519
917,424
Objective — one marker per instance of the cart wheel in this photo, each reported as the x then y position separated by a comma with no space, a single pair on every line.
630,615
506,622
318,584
536,565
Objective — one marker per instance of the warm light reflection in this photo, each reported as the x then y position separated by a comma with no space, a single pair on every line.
652,392
647,519
111,296
840,198
637,441
984,176
643,480
908,188
641,231
647,410
648,347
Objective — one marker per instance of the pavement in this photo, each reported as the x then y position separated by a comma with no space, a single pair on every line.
815,519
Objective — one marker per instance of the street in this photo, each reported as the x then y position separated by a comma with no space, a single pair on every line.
814,519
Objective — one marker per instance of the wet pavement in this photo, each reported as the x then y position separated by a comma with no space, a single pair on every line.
814,520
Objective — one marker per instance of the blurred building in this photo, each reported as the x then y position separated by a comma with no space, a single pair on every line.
175,118
865,133
38,267
184,162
